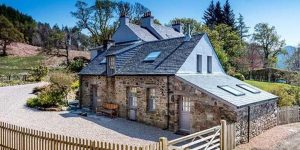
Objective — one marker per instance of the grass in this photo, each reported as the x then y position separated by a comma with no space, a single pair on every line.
267,86
15,65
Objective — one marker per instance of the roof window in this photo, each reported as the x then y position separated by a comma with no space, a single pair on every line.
248,88
231,90
103,61
152,56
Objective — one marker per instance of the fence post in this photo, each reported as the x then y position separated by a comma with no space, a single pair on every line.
223,135
163,143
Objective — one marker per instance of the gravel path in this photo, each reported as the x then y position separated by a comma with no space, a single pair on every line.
283,137
14,111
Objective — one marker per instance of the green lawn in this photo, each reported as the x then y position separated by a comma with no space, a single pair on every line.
267,86
14,65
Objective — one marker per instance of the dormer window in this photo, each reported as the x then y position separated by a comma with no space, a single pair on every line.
209,64
199,63
152,56
111,62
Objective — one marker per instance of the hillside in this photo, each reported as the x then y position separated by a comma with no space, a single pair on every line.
22,57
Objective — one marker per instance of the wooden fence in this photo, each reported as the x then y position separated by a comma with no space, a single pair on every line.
17,138
10,77
288,115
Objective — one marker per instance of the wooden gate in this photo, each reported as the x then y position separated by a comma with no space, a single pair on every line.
214,138
288,115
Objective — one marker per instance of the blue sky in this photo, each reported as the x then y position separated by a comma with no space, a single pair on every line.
284,15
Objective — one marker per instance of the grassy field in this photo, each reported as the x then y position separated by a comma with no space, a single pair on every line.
14,65
267,86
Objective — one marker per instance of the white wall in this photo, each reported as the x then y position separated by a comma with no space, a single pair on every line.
205,49
124,34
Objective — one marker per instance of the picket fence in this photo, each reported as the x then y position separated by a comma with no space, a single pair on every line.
18,138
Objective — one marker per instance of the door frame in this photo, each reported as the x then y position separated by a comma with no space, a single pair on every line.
94,97
130,108
180,110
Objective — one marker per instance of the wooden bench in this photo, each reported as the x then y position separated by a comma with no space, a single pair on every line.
109,109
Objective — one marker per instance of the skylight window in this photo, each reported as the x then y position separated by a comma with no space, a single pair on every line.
103,61
248,88
152,56
231,90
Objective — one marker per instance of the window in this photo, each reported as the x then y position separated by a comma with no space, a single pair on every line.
199,63
103,61
231,90
151,99
152,56
111,62
132,96
186,104
209,64
248,88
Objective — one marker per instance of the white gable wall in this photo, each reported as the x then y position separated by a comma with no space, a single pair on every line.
205,49
124,34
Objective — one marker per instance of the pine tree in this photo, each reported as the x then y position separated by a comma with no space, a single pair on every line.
242,28
209,15
228,15
218,13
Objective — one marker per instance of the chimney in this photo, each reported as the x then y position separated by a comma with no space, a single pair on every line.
107,44
178,26
124,20
147,20
188,35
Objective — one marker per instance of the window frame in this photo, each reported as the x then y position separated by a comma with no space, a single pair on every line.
199,63
151,59
111,62
132,97
231,92
209,64
248,88
151,99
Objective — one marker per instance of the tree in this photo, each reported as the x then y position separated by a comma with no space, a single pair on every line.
293,62
228,15
195,26
242,28
209,15
138,12
56,39
218,13
267,37
8,34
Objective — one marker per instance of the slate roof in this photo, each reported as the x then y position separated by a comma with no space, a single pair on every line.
173,54
209,83
142,33
166,32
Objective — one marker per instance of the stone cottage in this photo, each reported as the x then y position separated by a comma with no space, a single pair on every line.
161,77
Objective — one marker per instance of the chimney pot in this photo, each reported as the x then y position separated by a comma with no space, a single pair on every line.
177,26
147,20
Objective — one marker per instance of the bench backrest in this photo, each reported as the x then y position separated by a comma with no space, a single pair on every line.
110,106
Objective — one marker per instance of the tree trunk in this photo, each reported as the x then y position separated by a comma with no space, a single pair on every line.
4,49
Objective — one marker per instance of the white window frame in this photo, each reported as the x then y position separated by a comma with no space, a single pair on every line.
151,99
199,63
111,62
132,97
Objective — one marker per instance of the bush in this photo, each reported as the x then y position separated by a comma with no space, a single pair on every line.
39,73
75,85
76,65
38,89
54,94
239,76
285,98
32,102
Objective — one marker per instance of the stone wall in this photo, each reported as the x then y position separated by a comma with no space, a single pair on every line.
263,116
206,111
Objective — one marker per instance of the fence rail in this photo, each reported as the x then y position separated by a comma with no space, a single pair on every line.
288,115
18,138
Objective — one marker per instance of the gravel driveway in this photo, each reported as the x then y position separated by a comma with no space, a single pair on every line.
283,137
14,111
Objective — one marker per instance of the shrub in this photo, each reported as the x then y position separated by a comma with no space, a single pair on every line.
32,102
76,65
239,76
62,80
285,98
75,85
39,73
38,89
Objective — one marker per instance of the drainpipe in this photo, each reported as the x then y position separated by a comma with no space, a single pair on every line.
168,104
248,124
80,91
